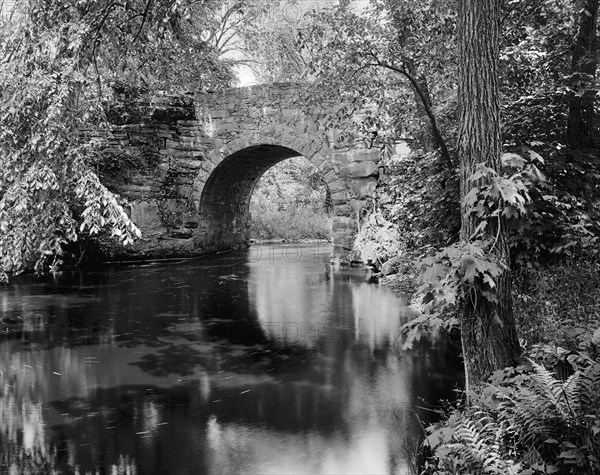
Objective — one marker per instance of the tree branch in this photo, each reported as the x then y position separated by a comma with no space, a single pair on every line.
144,17
436,132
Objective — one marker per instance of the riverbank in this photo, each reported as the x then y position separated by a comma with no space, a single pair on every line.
544,415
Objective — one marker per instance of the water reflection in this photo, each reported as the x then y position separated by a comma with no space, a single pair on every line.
252,362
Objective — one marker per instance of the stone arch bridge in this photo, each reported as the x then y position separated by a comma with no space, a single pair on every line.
188,179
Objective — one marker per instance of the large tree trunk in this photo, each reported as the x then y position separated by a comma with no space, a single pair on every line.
580,125
489,336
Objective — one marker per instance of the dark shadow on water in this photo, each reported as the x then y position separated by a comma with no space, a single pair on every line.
217,365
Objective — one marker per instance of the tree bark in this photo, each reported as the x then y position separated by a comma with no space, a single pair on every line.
580,125
489,336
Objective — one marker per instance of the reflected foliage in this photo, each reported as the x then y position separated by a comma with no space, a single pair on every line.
199,365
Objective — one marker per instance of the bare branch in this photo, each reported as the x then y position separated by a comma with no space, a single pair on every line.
415,84
144,17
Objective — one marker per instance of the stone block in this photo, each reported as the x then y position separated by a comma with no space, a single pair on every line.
346,220
214,157
134,189
343,210
361,169
192,164
337,185
330,176
270,111
364,187
145,214
366,155
318,160
185,191
187,123
180,233
339,158
181,154
172,206
339,195
339,227
218,114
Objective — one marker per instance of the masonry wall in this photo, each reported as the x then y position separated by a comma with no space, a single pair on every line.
187,182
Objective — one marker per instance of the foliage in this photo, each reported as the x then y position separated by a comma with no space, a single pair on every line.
417,210
540,80
225,30
544,223
424,201
555,303
155,45
467,271
535,59
296,223
377,240
525,421
290,202
44,172
272,41
54,61
469,445
562,218
559,304
386,49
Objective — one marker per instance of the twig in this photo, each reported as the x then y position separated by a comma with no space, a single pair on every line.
144,17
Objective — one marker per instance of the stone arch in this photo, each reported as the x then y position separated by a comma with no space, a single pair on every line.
224,191
314,150
180,189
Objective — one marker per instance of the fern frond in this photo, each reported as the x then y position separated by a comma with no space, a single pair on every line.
545,382
480,445
572,390
589,382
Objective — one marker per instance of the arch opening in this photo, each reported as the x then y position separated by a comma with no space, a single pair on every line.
291,201
225,194
225,198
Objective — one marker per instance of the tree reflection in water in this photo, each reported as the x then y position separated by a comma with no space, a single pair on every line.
228,364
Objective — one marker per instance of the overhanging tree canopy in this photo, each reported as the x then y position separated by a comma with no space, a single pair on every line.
56,61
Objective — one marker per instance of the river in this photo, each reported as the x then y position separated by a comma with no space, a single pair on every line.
262,361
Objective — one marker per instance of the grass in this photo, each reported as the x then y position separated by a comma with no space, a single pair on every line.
292,224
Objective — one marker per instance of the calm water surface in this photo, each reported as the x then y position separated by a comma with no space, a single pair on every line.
255,362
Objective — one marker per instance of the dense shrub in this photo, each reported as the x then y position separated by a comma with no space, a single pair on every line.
527,420
417,210
299,222
291,202
558,304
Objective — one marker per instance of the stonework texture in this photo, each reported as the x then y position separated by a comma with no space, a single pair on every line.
187,183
